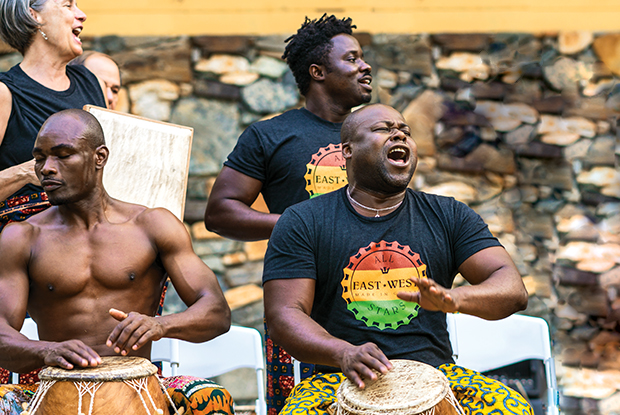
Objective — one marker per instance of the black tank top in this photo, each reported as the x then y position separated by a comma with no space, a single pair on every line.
33,104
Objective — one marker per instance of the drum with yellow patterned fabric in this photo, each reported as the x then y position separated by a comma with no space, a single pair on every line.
410,388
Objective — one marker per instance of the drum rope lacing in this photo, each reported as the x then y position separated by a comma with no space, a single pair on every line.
176,411
140,385
454,402
91,388
44,386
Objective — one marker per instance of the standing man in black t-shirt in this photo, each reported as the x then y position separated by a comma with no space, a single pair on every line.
294,156
273,157
364,274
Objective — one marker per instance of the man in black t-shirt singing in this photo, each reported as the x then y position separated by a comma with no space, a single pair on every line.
364,274
294,156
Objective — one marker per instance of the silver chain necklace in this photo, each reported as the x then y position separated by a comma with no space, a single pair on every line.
369,208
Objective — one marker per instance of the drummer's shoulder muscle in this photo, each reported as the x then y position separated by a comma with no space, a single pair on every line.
16,241
6,106
166,230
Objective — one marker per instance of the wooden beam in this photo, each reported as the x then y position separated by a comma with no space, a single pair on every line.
251,17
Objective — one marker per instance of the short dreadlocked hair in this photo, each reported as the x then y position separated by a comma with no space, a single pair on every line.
312,44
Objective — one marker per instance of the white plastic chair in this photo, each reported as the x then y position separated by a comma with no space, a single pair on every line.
483,345
240,347
166,350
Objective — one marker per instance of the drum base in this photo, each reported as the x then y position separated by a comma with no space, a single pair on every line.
110,398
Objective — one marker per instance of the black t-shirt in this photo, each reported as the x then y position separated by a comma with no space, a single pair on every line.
360,263
296,156
33,103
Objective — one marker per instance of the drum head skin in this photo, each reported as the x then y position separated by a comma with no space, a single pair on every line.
409,388
113,368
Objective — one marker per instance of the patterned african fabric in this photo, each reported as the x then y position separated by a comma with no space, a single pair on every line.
280,377
198,396
23,378
190,395
20,208
476,393
14,398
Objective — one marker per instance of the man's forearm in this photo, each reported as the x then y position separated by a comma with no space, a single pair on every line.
235,220
305,339
202,321
14,178
496,298
18,353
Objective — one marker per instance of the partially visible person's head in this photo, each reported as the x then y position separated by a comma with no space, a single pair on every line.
17,26
106,69
311,45
378,148
70,154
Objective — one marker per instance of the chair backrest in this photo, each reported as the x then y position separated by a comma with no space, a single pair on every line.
483,345
238,348
166,350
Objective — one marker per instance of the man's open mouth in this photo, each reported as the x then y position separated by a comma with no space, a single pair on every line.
399,155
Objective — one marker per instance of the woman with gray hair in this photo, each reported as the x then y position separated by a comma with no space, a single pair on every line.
47,34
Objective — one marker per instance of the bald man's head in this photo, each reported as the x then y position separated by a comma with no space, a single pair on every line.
350,127
378,149
70,155
91,130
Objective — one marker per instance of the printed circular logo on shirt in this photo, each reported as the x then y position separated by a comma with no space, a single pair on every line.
326,171
373,278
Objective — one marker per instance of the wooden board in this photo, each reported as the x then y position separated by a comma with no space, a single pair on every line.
149,160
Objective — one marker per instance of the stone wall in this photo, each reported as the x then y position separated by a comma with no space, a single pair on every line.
521,127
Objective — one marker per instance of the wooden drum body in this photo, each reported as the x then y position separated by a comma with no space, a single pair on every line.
410,388
121,385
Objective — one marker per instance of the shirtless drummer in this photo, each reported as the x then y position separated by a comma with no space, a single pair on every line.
90,270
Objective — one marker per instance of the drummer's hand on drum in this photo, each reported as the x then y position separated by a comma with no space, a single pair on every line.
431,296
134,331
361,362
68,354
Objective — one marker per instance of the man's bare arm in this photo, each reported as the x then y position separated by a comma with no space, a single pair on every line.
497,289
207,315
288,303
229,213
13,178
17,352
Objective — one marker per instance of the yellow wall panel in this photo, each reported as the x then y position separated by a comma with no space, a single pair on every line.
252,17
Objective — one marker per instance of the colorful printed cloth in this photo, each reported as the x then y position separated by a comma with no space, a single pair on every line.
20,208
193,395
476,393
280,379
190,396
14,398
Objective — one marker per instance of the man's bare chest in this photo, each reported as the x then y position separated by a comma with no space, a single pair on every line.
67,264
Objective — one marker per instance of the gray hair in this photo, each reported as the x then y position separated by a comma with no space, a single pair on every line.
17,26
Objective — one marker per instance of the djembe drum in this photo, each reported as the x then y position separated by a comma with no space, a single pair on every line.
120,385
410,388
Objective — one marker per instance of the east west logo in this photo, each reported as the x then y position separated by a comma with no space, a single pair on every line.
372,279
326,171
